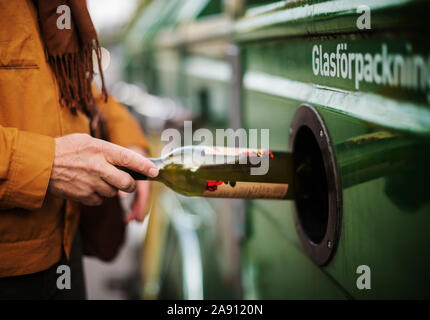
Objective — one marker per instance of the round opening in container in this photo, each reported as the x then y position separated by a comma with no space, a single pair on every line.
317,214
312,211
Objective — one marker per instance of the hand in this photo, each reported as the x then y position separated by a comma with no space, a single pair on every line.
84,171
139,206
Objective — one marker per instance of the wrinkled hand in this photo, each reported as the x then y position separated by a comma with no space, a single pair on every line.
139,207
84,171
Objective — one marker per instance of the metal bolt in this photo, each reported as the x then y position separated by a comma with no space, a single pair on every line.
321,133
329,244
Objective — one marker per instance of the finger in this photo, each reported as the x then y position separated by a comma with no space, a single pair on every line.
117,178
140,204
120,156
105,190
93,200
138,211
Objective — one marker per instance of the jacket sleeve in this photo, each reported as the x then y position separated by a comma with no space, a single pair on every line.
123,129
25,168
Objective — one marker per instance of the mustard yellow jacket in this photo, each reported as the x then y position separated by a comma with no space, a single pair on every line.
34,225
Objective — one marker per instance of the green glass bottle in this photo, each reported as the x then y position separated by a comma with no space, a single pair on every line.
221,172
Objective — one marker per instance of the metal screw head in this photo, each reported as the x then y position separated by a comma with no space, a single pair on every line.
321,133
291,129
329,244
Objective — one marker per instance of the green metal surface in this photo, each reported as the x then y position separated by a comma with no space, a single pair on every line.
384,219
387,236
378,230
322,17
273,267
277,69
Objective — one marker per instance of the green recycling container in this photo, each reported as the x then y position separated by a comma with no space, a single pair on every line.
348,83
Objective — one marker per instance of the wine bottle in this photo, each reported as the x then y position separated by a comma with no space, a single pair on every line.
222,172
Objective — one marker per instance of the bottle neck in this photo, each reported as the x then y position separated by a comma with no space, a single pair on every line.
159,163
276,167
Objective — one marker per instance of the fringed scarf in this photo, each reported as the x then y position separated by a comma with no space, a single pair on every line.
70,52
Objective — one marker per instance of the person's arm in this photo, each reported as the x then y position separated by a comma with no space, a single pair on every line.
76,167
84,169
26,160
